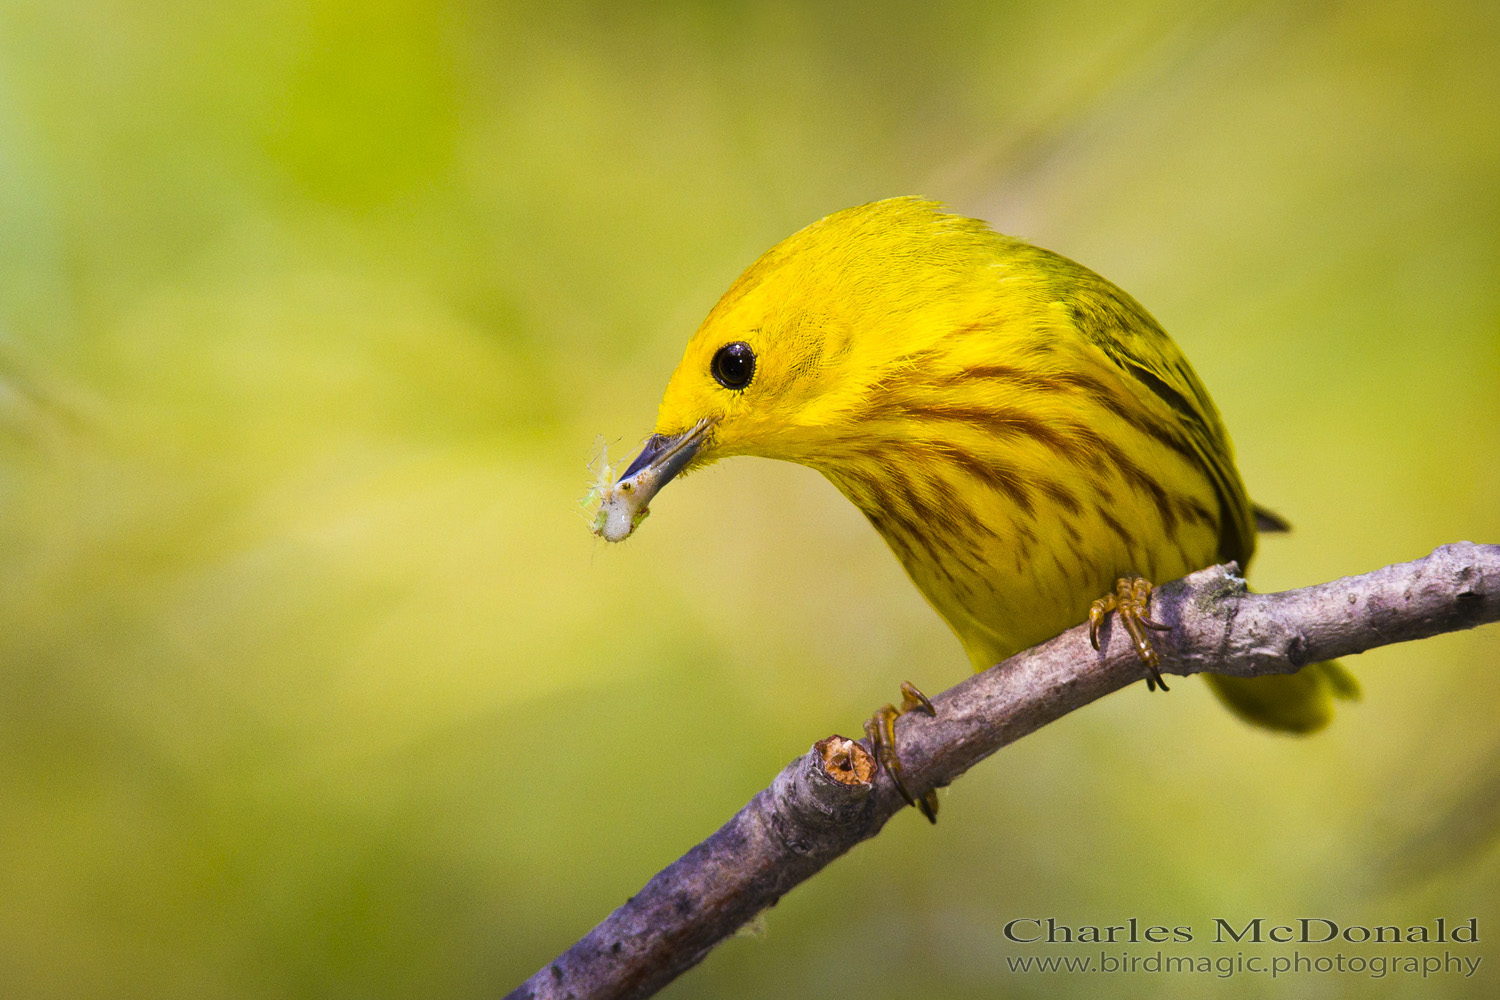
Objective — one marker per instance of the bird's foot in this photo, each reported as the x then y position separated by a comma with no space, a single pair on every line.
1131,602
881,729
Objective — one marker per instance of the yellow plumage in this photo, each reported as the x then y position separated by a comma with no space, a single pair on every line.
1019,430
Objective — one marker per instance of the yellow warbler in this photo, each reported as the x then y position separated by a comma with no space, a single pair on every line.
1020,431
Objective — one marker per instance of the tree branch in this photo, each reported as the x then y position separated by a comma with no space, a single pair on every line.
831,798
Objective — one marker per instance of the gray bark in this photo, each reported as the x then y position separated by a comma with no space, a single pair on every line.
830,799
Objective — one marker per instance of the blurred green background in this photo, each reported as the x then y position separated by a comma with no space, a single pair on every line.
314,681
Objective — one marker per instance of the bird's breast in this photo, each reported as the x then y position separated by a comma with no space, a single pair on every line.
1013,519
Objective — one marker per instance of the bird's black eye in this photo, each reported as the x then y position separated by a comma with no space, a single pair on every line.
734,365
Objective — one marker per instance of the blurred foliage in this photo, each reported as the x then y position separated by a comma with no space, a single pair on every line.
315,684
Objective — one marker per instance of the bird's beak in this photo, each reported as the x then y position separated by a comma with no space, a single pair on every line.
664,455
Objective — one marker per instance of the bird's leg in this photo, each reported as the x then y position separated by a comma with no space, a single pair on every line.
1131,601
881,729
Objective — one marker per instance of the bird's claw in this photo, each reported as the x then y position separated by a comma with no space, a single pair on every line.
1131,601
881,730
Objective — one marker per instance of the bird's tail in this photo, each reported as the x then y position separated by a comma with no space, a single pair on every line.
1290,703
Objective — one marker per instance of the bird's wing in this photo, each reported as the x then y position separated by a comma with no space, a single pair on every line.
1126,333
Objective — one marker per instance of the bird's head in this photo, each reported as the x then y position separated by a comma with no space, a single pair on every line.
785,366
